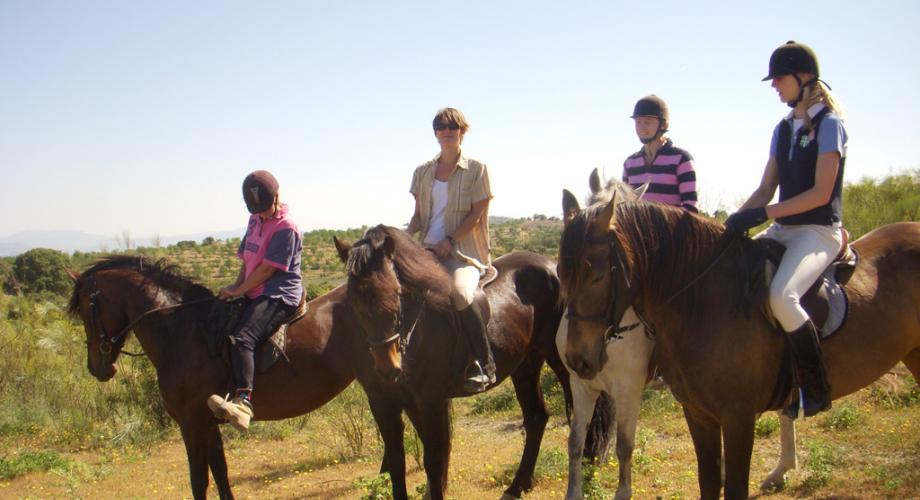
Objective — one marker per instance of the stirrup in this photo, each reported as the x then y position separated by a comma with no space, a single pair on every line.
480,380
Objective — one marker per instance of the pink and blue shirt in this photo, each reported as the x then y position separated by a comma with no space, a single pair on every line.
277,243
671,176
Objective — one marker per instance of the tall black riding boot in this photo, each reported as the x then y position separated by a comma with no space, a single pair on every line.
481,372
810,372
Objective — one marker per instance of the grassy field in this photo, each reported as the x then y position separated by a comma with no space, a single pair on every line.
868,446
64,435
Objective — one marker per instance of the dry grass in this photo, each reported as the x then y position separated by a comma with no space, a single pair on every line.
867,447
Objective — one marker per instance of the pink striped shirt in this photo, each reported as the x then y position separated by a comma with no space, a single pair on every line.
671,177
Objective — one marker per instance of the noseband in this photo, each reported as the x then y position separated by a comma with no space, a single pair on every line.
619,282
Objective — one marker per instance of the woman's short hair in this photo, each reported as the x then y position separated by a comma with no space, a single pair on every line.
451,115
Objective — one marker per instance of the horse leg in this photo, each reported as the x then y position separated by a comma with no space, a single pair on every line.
707,443
388,416
195,436
526,380
584,398
218,461
776,480
627,396
433,426
912,362
739,443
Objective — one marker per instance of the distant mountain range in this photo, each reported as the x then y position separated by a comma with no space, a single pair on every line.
71,241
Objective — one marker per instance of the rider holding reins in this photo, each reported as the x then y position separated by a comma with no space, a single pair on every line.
269,281
807,155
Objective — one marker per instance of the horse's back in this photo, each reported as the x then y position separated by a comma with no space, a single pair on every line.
532,275
899,237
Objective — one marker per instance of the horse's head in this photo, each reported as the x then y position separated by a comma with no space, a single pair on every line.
597,284
374,294
98,302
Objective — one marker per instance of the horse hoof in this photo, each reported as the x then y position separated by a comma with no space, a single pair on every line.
773,483
506,496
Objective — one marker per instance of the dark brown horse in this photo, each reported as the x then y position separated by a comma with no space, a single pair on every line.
399,290
116,291
684,275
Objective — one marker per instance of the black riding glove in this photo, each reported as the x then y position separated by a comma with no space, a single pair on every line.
742,220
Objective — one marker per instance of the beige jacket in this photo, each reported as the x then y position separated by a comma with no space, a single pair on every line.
468,184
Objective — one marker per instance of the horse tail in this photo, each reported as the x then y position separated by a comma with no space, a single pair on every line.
598,439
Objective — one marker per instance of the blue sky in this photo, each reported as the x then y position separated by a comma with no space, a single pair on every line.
145,117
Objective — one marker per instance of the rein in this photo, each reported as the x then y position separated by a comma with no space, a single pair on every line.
614,331
107,341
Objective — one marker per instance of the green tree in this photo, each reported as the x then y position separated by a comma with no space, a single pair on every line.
42,270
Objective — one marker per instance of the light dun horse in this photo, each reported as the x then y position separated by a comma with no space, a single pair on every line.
622,374
683,274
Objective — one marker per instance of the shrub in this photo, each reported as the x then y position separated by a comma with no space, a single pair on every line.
42,270
766,425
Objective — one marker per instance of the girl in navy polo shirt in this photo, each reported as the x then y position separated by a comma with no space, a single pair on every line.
269,279
807,155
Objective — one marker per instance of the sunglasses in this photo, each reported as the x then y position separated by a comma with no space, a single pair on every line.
445,126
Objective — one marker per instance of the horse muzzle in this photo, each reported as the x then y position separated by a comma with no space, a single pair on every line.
388,363
102,371
585,354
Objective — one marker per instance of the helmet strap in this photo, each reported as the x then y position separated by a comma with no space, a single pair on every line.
793,104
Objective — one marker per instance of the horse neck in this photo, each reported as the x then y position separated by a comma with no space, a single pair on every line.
155,332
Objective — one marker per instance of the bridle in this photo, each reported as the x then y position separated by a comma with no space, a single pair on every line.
620,286
106,341
403,336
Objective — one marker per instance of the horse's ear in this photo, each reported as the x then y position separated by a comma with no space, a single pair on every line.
342,247
606,219
388,246
570,206
641,189
594,180
73,276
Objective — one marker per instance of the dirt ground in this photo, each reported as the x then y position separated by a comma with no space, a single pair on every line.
871,460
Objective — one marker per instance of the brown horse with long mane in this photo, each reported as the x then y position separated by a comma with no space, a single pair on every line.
685,275
165,310
401,295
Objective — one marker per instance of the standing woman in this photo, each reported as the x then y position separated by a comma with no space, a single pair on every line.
806,161
452,196
668,169
270,282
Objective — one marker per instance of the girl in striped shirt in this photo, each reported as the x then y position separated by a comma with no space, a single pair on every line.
667,169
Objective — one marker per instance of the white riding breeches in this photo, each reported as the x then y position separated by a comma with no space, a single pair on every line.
466,280
809,250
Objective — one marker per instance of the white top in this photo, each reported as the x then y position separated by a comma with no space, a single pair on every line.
436,231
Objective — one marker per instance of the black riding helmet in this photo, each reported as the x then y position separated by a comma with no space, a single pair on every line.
260,188
792,58
652,105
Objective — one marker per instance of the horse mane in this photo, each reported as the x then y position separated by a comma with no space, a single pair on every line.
417,270
672,249
165,275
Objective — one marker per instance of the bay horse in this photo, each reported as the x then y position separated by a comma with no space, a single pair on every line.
685,277
621,375
117,291
401,296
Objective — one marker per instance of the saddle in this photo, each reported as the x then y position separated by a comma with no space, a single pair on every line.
826,300
224,316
